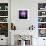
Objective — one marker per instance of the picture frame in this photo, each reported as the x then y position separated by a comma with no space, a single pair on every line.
23,14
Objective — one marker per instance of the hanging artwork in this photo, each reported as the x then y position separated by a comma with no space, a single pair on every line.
23,14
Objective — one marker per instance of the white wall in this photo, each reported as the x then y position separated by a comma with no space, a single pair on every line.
32,5
23,4
24,24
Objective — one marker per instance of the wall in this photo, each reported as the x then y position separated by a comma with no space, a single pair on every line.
32,5
24,24
25,4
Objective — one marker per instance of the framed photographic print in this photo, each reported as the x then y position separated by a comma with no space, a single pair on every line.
23,14
42,32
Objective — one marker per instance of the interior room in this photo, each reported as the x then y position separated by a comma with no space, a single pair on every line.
22,22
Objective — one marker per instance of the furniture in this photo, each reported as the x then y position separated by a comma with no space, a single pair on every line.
42,19
4,22
23,40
